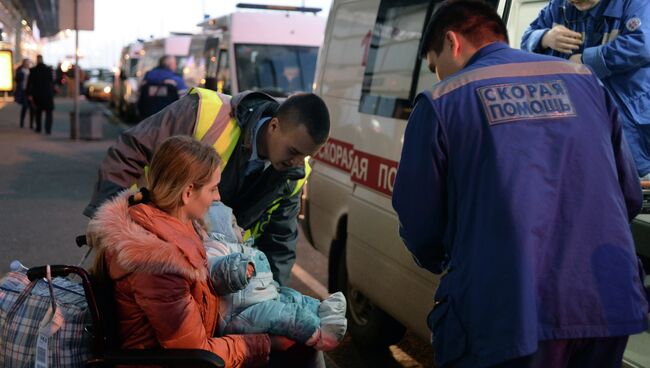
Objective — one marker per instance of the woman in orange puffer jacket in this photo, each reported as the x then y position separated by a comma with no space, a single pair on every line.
152,251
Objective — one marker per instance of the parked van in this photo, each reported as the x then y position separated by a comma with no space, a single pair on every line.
265,48
125,84
136,60
369,74
232,54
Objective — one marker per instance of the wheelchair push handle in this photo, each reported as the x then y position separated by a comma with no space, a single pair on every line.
40,272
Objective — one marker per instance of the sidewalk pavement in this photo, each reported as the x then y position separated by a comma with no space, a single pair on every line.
45,183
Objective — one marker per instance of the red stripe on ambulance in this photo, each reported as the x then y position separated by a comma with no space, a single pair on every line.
336,153
368,170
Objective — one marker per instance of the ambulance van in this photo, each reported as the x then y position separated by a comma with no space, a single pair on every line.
265,48
125,85
369,73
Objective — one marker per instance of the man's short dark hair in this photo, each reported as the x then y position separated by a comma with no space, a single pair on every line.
475,20
164,61
309,110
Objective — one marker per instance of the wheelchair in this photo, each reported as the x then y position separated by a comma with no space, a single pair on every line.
106,351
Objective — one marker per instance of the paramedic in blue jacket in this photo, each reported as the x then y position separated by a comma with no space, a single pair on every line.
515,183
165,72
611,36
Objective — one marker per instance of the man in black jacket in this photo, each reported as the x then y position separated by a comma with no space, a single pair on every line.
40,92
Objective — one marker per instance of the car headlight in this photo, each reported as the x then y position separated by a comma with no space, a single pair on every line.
107,89
91,89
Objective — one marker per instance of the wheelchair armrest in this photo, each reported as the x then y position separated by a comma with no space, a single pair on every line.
166,357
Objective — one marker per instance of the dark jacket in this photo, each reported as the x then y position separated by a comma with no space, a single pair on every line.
248,197
19,91
40,86
159,76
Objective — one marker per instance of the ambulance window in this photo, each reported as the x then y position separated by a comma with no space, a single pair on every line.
521,15
426,79
211,54
346,51
223,73
393,58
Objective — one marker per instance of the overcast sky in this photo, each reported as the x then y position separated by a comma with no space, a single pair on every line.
119,22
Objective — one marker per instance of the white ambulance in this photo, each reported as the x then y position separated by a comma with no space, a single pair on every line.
125,85
259,47
368,74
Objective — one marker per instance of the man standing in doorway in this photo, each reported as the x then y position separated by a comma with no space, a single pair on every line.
539,268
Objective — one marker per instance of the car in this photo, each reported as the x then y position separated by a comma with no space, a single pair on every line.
99,84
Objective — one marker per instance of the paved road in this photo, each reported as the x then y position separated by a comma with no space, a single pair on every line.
46,181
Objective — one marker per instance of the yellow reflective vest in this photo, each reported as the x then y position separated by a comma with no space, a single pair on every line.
216,126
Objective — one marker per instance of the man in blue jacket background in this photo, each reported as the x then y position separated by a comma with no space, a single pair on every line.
160,87
611,36
515,182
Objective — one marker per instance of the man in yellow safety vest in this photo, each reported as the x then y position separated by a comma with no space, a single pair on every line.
264,146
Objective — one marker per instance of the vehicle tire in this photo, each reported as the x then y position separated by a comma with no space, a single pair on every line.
369,326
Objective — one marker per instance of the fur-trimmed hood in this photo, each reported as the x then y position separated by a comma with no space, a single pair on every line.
142,238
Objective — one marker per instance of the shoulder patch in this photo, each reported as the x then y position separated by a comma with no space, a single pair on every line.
633,24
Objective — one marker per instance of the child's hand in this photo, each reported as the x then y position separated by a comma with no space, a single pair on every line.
250,270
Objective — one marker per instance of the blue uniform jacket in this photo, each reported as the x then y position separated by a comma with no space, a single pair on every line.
617,47
159,75
515,181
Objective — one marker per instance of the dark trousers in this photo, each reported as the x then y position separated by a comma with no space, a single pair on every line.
297,356
604,352
48,120
23,111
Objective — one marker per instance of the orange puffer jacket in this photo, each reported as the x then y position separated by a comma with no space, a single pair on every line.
159,271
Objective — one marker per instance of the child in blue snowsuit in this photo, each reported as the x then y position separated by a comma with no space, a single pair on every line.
252,302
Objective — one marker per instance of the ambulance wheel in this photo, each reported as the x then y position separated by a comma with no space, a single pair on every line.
369,326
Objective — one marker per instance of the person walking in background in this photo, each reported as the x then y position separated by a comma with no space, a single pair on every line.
610,36
40,92
539,269
22,74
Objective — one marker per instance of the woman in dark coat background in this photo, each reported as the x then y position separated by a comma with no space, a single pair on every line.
22,74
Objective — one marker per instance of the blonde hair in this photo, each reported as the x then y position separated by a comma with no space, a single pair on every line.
178,162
